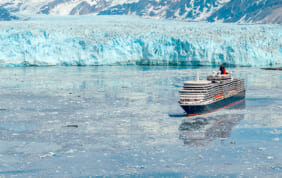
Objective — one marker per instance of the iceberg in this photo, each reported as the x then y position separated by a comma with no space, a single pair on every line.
124,40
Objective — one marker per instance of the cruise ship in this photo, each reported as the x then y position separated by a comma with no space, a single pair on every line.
218,91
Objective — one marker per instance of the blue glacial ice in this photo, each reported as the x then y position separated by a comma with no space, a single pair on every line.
130,40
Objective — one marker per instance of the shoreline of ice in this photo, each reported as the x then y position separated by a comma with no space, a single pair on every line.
108,40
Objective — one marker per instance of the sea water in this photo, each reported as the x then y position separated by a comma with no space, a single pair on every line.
124,121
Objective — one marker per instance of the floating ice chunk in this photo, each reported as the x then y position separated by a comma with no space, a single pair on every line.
261,148
50,154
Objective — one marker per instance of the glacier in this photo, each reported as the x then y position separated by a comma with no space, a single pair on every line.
124,40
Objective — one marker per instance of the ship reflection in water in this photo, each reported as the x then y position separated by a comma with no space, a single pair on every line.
201,130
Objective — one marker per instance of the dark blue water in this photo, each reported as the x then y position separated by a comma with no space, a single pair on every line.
125,121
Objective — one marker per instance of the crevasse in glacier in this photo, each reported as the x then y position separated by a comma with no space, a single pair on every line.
130,40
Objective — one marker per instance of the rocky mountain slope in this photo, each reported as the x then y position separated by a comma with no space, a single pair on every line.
244,11
5,15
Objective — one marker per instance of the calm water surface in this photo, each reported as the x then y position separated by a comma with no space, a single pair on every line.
125,121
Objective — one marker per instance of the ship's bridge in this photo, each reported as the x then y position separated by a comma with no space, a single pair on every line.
218,77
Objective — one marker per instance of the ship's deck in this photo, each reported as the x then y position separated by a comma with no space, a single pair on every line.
201,92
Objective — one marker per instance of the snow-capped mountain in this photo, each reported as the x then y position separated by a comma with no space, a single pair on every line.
5,15
254,11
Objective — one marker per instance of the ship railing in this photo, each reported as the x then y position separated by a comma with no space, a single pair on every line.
195,102
193,91
192,96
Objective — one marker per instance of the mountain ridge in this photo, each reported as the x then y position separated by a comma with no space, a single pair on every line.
230,11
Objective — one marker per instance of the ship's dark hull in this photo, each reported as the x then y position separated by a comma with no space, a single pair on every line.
193,110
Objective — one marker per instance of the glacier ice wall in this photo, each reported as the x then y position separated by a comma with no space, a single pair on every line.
130,40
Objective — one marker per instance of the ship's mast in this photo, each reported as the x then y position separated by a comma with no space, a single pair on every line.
197,76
